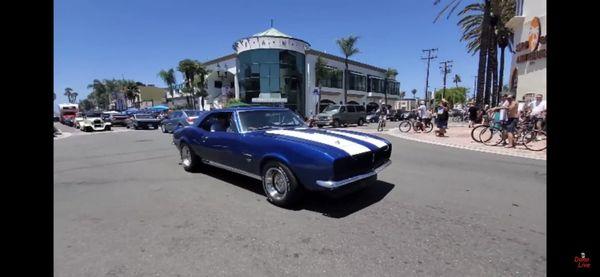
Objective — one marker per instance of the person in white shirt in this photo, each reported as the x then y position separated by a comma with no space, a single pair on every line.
538,110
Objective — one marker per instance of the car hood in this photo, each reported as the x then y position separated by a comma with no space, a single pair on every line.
346,142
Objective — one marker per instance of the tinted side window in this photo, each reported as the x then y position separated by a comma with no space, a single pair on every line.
351,109
342,109
360,108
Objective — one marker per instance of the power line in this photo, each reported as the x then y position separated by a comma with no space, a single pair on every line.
430,53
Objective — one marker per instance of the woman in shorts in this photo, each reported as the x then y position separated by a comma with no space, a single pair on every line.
442,118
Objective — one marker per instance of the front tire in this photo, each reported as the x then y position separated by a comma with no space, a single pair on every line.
107,128
163,128
361,122
189,160
404,126
280,185
335,124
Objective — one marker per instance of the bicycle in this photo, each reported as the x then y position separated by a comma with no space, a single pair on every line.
381,123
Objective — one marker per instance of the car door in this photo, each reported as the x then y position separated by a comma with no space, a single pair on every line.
343,115
352,114
170,124
215,144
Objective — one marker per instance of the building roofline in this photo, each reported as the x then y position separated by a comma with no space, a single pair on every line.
220,59
341,59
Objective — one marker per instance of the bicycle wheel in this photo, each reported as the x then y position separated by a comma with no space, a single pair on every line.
491,136
535,140
476,131
428,127
404,126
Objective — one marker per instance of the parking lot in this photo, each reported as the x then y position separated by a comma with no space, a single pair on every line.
123,206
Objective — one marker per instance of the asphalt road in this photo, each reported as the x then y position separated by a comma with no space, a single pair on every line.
123,206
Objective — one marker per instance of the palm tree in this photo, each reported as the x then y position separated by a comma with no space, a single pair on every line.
456,79
321,73
200,83
483,40
69,94
168,76
99,93
189,68
484,30
131,90
414,92
391,73
74,96
112,87
347,45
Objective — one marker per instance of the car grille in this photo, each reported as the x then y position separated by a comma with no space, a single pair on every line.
360,164
323,118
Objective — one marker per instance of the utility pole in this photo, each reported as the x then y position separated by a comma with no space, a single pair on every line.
430,53
445,69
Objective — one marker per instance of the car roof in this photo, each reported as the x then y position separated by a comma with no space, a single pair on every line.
251,108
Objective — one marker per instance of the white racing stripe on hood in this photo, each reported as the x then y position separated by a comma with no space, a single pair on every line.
352,148
377,142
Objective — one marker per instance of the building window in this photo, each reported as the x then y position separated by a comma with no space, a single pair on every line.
333,78
357,81
218,84
376,84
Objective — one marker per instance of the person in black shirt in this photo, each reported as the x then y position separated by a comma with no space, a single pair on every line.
472,114
442,118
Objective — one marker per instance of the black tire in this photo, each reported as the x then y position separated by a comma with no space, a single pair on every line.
475,132
428,127
361,122
491,136
163,128
320,126
536,140
107,128
405,126
289,192
189,160
336,123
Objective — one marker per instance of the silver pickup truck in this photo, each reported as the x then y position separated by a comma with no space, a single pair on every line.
143,121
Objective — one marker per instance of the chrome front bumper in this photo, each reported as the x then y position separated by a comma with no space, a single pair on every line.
337,184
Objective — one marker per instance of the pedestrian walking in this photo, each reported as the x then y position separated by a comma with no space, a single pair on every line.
442,118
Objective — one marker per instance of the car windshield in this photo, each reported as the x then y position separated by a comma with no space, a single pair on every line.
331,108
268,119
143,116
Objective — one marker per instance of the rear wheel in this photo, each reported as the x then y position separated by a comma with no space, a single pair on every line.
280,184
361,122
107,128
163,128
491,136
404,126
428,127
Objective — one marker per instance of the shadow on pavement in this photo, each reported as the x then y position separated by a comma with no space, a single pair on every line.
316,202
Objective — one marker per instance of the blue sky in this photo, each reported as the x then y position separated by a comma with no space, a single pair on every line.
135,39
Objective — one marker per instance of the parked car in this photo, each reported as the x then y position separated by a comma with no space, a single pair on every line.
178,119
92,121
274,146
78,119
119,119
372,117
143,121
393,115
338,115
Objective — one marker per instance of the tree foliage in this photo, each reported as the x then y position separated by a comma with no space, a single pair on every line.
457,95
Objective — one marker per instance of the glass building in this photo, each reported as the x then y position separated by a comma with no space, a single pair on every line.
273,68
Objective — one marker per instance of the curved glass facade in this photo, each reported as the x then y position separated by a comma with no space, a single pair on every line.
268,76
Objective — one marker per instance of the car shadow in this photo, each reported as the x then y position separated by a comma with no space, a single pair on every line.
335,207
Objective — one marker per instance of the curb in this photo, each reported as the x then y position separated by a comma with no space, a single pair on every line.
477,149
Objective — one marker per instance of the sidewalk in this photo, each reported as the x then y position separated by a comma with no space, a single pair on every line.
459,136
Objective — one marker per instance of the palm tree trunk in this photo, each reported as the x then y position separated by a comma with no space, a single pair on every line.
493,66
501,73
489,68
483,49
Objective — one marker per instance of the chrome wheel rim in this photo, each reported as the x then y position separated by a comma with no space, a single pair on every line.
186,157
276,183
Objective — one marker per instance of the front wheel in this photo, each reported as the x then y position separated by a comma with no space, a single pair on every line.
189,160
107,128
535,140
162,128
428,127
361,122
404,126
280,184
336,123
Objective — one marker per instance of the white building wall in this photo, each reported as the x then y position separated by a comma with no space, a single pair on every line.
531,74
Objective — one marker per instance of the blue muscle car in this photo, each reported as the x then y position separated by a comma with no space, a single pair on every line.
274,145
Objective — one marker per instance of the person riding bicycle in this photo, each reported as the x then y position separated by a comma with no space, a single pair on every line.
538,111
424,117
382,112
